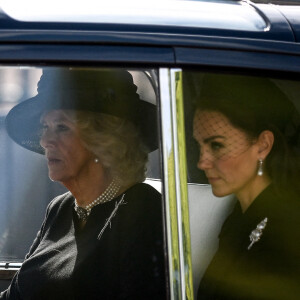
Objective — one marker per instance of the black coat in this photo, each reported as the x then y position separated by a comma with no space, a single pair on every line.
270,269
66,262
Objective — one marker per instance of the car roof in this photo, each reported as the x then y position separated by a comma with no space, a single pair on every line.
232,15
292,14
42,20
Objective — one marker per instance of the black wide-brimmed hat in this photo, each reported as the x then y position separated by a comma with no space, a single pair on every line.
110,92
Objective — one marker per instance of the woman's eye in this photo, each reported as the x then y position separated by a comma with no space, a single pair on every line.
215,146
62,127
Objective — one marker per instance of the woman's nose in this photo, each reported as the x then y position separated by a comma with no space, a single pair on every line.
205,161
47,139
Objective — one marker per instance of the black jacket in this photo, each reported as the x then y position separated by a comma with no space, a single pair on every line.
65,262
270,269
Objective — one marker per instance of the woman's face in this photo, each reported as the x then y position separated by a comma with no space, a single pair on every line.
67,157
228,157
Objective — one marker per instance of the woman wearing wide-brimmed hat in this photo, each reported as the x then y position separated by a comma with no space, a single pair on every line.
104,238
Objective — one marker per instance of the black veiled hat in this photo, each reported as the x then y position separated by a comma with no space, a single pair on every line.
110,92
246,98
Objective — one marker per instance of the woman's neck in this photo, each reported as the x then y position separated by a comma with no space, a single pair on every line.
249,194
87,188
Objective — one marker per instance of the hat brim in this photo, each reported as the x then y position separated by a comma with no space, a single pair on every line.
23,123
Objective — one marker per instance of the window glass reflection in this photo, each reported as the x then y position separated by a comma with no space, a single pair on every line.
23,174
247,147
90,136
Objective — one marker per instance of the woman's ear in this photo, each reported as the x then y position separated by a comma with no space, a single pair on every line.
265,143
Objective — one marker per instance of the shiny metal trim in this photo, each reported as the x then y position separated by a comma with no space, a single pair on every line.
175,178
174,94
181,183
8,270
169,183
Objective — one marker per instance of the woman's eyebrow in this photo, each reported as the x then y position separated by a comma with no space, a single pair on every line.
60,119
56,120
209,139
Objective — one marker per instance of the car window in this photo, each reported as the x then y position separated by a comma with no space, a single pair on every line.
226,115
25,187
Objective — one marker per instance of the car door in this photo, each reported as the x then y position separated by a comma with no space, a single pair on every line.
165,68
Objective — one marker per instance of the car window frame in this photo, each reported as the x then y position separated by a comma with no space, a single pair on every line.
170,61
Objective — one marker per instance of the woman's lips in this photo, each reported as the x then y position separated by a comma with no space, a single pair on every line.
53,161
213,179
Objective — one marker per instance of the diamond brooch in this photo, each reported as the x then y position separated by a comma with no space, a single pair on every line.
257,232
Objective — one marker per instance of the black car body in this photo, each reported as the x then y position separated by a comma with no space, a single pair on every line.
162,40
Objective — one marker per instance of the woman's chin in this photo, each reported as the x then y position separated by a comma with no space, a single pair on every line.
55,177
220,192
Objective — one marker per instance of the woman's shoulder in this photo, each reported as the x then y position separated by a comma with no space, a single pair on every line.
143,197
282,211
143,204
277,202
144,190
285,206
60,200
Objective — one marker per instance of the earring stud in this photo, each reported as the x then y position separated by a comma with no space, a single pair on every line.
96,160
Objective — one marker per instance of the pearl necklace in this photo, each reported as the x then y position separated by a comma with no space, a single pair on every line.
109,194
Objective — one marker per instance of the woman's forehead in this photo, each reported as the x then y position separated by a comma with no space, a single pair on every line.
213,123
57,115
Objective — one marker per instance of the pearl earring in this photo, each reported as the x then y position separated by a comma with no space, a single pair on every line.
96,160
260,170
